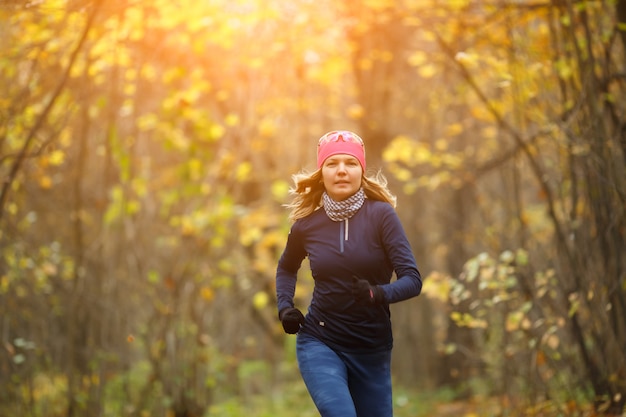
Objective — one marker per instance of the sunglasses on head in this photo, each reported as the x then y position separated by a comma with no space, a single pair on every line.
340,136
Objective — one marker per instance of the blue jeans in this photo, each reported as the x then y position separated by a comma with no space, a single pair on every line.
345,384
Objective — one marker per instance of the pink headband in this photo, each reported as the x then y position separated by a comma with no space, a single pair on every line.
340,142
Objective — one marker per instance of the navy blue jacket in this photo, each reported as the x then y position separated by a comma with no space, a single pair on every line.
371,245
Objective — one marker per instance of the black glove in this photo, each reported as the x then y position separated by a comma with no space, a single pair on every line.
292,319
365,293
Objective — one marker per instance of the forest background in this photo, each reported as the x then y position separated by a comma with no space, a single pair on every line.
146,153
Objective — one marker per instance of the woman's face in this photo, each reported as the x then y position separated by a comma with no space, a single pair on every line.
342,176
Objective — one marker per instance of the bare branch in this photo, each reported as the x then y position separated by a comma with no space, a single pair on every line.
6,183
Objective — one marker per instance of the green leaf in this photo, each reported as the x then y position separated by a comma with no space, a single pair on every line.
521,257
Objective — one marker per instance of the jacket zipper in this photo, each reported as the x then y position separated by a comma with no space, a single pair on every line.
343,234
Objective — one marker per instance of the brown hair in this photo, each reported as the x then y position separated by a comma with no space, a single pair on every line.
309,188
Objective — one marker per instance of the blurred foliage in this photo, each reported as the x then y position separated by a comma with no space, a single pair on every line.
146,150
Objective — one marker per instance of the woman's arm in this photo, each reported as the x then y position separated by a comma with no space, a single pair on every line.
287,270
400,254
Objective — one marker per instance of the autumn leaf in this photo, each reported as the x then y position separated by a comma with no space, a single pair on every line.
207,293
260,300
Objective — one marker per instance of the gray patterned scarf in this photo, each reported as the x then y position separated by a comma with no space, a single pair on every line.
342,210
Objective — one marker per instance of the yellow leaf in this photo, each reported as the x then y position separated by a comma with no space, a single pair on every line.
56,158
45,182
260,300
409,188
250,235
454,129
216,131
378,5
231,120
564,69
139,186
147,121
195,169
417,58
400,149
441,144
427,71
187,228
437,286
267,128
481,113
457,4
402,174
467,59
280,190
243,171
355,111
207,293
148,72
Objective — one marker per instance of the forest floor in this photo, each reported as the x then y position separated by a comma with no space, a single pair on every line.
501,408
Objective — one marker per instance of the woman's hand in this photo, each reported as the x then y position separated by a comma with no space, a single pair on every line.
292,319
365,293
